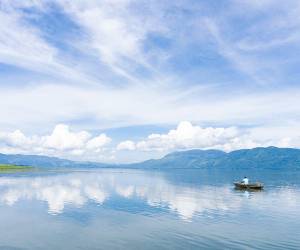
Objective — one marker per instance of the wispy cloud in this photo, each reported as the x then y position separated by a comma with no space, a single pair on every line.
22,45
110,64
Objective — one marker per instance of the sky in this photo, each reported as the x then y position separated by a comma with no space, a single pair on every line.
125,80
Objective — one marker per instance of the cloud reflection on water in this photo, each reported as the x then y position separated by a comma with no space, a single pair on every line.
57,191
78,188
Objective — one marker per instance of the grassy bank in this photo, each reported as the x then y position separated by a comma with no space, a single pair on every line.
13,168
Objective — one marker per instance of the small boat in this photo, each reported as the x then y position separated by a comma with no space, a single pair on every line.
257,185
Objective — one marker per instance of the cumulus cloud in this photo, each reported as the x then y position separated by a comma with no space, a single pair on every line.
62,138
81,145
187,136
126,145
98,142
62,142
16,138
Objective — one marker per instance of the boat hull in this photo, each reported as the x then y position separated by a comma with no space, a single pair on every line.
256,186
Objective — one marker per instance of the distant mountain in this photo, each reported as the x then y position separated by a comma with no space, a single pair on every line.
46,161
182,159
269,158
259,158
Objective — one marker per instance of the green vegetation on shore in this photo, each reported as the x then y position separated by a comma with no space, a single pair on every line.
13,168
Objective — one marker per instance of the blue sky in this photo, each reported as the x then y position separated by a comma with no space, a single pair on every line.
123,80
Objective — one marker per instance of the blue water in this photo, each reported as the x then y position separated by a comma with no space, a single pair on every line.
131,209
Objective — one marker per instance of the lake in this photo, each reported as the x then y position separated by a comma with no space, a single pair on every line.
133,209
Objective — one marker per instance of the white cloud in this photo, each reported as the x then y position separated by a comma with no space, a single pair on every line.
243,63
63,139
115,44
126,145
113,33
135,105
187,136
98,142
61,142
16,138
22,45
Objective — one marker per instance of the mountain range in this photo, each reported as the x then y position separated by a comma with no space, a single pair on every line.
46,161
268,158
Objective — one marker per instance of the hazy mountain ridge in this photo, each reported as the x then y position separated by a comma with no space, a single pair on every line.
45,161
269,158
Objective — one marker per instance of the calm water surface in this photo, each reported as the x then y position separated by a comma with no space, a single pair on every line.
130,209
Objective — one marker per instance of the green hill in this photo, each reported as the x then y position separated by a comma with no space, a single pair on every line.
11,167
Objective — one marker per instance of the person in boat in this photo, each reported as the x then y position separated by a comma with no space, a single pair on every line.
245,181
